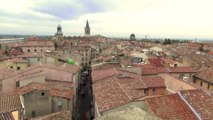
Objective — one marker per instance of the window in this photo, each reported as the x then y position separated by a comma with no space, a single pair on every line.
145,91
201,83
35,50
11,66
38,59
153,91
33,113
42,93
208,86
17,84
194,80
59,103
28,50
18,68
41,50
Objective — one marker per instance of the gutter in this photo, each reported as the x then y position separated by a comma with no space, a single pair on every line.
193,110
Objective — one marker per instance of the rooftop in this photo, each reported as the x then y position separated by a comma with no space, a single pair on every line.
10,103
153,81
170,107
206,75
53,90
201,102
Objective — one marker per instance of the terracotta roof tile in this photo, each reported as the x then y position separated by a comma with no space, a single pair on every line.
37,43
160,70
156,61
15,52
53,90
109,95
101,74
181,69
10,103
201,102
170,107
153,71
168,61
206,75
153,81
105,66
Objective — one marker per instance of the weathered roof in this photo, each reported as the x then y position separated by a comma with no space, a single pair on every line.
53,90
170,107
37,43
109,95
10,103
200,101
206,75
153,81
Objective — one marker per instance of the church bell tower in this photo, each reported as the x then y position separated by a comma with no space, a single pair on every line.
87,29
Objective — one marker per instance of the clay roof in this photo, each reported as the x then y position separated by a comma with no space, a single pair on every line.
133,87
210,52
152,71
109,95
32,86
31,75
37,43
206,75
9,103
102,74
14,51
64,93
51,72
160,70
116,84
156,61
181,69
70,68
168,61
170,107
16,60
201,102
53,90
106,66
153,81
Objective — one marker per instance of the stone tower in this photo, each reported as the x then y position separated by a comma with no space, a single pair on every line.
132,37
59,31
87,29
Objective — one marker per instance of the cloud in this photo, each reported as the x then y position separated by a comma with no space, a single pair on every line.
164,18
72,10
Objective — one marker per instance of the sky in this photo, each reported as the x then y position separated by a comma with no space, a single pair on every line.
113,18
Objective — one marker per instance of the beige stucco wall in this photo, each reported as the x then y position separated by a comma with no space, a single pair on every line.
35,101
65,104
139,104
13,65
35,60
174,85
157,91
204,84
38,49
37,79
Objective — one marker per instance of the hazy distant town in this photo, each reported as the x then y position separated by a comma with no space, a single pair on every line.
98,77
106,60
